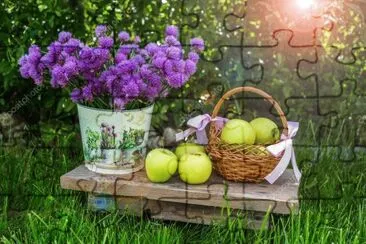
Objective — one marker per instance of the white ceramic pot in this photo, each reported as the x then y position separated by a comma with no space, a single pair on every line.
114,142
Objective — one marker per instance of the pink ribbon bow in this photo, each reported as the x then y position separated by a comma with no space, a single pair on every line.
285,145
198,124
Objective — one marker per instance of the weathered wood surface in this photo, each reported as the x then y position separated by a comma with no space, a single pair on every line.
189,213
281,197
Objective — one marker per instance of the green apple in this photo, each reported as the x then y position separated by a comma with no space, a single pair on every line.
266,131
184,148
161,164
238,131
195,168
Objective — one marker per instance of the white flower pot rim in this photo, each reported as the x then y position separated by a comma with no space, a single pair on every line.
116,111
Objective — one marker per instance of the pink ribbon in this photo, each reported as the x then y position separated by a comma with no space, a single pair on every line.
198,124
285,147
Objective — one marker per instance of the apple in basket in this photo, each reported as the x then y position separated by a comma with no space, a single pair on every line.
195,168
161,164
185,148
266,131
238,131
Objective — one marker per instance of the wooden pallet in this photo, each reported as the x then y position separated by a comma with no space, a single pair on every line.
175,200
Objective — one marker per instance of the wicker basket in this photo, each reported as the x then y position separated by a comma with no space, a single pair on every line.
242,163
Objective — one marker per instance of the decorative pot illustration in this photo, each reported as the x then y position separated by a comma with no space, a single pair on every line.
110,154
110,137
137,156
139,137
133,156
91,148
131,138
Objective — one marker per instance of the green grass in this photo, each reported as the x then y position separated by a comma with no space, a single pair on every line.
34,209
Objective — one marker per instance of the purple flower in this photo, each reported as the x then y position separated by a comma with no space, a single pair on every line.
105,42
24,71
109,80
34,50
137,39
22,60
58,76
101,30
48,59
123,36
151,88
128,48
193,57
102,54
152,93
144,53
159,62
176,80
174,53
31,65
86,53
142,87
190,67
171,31
72,45
126,66
76,95
119,103
172,41
87,93
64,36
145,71
97,85
62,57
92,59
131,89
178,66
36,76
120,57
70,67
197,44
151,48
168,67
154,80
138,59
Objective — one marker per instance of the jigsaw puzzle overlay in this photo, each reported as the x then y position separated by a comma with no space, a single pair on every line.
302,63
310,59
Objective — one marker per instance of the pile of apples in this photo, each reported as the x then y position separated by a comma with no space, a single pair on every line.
262,131
193,164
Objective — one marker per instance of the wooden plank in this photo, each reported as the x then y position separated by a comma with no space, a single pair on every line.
281,197
207,215
190,213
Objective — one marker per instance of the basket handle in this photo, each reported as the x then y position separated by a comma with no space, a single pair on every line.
257,91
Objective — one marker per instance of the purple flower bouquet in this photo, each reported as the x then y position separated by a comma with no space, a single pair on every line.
114,83
131,78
